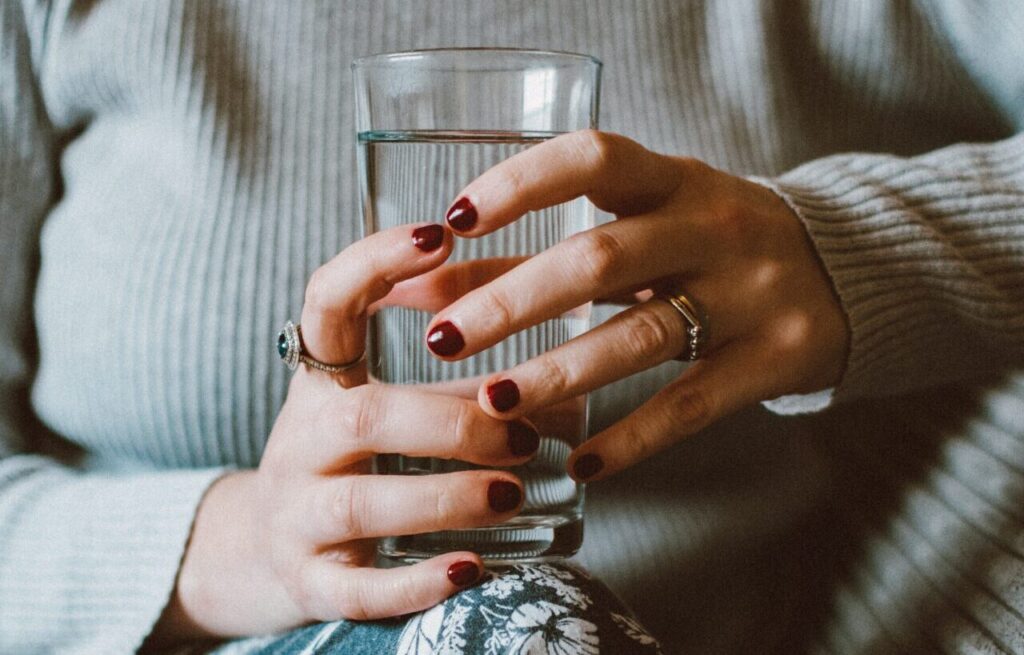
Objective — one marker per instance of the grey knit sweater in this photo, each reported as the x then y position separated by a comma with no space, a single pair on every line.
171,173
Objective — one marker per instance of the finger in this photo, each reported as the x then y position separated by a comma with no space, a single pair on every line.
616,174
340,292
589,265
436,289
633,295
377,418
633,340
362,594
347,508
733,377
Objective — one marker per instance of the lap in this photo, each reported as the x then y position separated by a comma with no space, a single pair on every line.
521,610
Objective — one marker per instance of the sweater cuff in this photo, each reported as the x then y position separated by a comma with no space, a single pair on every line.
121,541
868,217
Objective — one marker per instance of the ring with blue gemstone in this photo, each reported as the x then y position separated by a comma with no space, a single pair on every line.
292,351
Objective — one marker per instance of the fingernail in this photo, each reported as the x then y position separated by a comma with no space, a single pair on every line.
522,439
587,466
445,339
463,573
428,237
462,215
504,496
503,395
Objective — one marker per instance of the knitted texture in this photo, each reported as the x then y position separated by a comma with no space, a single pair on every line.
172,172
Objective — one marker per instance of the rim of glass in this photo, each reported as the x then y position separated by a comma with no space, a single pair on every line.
405,55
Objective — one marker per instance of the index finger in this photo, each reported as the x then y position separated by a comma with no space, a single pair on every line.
617,174
340,292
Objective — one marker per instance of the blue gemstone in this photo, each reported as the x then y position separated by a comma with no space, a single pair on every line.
282,345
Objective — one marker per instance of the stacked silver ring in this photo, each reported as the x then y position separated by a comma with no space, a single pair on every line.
696,324
292,351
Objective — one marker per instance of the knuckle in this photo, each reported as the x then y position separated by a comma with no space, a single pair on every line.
556,376
318,291
498,308
510,177
640,443
650,333
732,222
347,508
601,255
304,592
445,504
408,592
693,168
790,333
353,604
693,407
361,412
293,580
460,427
599,149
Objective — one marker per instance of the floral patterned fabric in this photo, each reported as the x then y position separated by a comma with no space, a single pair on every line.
542,609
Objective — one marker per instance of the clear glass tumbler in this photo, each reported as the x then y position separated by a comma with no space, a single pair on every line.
428,123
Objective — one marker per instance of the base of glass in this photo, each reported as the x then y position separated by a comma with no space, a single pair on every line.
514,542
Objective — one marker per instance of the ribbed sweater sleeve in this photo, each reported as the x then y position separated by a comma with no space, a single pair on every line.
926,253
927,257
87,560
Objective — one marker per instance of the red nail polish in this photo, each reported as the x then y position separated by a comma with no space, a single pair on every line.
463,573
522,439
504,496
587,466
428,237
445,339
462,215
503,395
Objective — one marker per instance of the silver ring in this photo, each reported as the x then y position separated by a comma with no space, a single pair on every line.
292,351
696,323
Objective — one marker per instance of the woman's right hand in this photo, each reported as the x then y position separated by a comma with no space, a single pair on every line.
293,542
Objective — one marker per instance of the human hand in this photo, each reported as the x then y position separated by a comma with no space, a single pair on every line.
776,326
294,541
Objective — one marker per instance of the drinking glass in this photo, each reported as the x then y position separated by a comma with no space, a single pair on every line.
428,123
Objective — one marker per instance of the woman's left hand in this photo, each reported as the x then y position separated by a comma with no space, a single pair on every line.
733,246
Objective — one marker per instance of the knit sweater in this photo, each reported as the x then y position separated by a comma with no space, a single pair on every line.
172,172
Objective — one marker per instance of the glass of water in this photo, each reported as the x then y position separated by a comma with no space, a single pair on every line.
428,123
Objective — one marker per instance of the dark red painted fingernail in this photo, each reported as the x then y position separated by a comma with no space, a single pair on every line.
504,496
587,466
522,439
445,339
428,237
503,395
463,573
462,215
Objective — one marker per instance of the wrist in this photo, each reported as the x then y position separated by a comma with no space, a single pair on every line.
219,554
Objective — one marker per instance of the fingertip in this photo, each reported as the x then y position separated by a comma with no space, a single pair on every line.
523,438
430,237
586,467
462,215
484,401
445,339
458,569
504,496
464,572
502,395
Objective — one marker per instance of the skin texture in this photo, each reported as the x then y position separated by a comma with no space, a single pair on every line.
293,541
776,326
